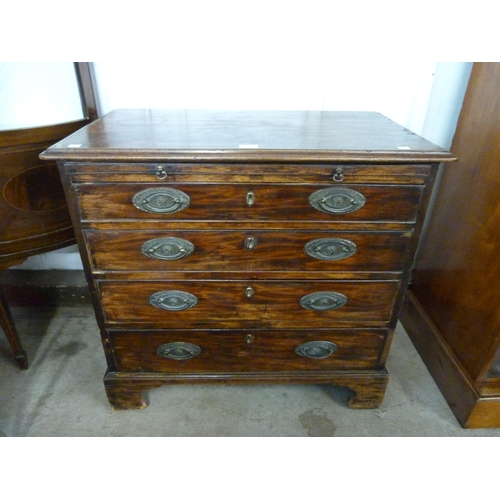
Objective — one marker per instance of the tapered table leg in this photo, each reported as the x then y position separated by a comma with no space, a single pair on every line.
10,331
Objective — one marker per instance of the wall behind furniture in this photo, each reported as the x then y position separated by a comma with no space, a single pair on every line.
34,94
425,97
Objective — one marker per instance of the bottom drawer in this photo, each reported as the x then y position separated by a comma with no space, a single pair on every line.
191,351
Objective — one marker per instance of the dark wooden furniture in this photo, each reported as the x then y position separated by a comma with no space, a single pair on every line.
452,311
246,247
34,217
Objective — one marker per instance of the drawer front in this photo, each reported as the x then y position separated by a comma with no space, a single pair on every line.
247,304
246,250
234,202
227,172
186,351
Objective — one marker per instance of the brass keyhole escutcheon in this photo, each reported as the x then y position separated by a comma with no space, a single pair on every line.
250,243
249,339
250,198
249,292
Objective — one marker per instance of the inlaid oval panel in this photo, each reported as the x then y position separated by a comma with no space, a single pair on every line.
37,189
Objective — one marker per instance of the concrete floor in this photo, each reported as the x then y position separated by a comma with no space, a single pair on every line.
62,394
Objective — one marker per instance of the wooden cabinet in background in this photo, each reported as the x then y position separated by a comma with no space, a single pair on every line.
34,216
452,311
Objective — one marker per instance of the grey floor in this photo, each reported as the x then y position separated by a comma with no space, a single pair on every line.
62,394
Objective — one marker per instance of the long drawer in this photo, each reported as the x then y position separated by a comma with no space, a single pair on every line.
259,202
247,304
185,351
246,250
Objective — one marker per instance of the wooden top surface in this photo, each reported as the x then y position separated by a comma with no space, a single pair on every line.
184,135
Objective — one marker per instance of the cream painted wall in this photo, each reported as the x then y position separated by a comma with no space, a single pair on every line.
425,97
401,91
36,93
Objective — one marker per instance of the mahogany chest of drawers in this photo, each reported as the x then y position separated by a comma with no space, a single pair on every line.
246,246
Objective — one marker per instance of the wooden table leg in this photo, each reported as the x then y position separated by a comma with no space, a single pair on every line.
10,331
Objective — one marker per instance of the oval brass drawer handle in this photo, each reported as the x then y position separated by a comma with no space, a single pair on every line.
316,349
167,248
337,200
323,301
178,350
330,248
161,200
173,300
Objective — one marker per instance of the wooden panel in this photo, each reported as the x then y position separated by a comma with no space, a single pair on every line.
227,251
281,136
33,200
34,216
256,173
227,351
45,136
457,276
229,203
471,408
449,375
274,304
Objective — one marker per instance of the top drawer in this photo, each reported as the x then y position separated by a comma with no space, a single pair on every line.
246,201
